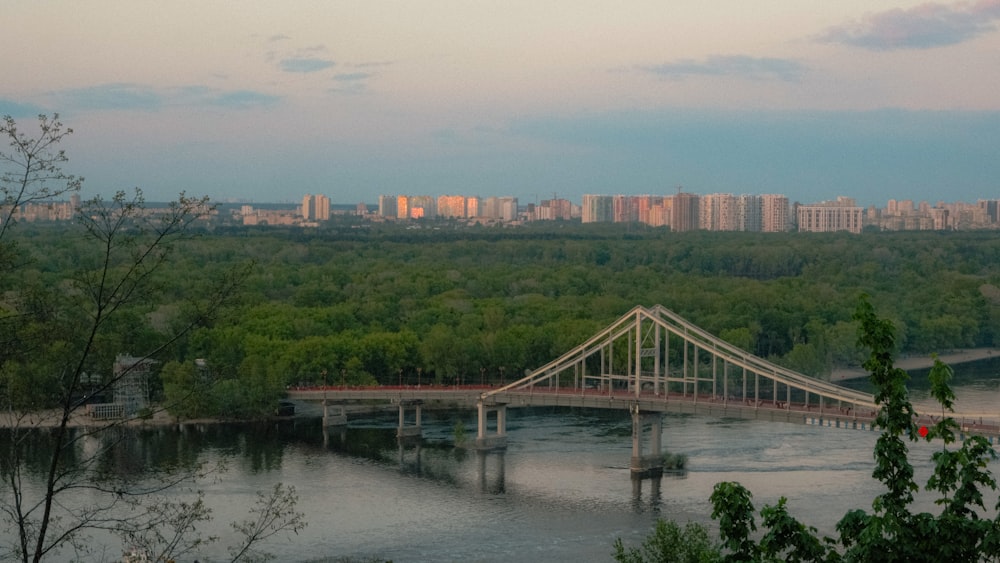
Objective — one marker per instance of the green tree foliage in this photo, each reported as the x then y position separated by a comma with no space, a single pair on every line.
669,543
187,390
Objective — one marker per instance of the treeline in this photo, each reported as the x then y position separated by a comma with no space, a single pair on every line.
356,304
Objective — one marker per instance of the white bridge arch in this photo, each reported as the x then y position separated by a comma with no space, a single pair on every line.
653,351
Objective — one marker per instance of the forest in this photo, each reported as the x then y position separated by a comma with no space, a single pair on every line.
434,302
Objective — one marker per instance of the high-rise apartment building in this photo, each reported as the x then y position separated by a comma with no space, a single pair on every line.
717,212
508,208
644,206
315,207
624,210
387,206
552,209
749,213
597,208
451,206
423,206
773,213
403,207
992,209
490,208
830,216
322,207
307,211
685,215
661,212
472,206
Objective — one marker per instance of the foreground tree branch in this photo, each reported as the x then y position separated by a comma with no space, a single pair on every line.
63,332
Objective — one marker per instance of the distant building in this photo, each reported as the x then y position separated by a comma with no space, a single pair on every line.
773,213
315,208
555,209
749,213
307,210
502,208
624,209
422,206
451,206
322,208
661,212
597,208
717,212
387,206
472,206
685,213
991,207
830,216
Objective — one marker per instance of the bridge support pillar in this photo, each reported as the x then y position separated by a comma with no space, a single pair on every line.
646,465
337,418
404,431
485,441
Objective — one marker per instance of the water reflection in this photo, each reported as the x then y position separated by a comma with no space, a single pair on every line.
654,492
492,475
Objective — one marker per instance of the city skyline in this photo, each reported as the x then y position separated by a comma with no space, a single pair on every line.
357,99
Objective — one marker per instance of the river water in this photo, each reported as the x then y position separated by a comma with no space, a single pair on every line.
561,491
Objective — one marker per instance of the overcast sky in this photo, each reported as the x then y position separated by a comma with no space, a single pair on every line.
267,101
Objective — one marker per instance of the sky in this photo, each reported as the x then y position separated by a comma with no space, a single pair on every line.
266,101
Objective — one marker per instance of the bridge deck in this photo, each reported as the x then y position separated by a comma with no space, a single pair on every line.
702,404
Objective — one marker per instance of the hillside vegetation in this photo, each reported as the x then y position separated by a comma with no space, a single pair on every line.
383,303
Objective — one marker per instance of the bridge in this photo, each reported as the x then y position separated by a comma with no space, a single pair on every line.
649,361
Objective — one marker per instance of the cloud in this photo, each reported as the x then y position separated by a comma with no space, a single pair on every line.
19,109
133,97
352,76
351,82
754,68
305,65
922,27
116,96
243,99
370,64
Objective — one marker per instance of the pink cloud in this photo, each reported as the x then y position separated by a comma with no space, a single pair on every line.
922,27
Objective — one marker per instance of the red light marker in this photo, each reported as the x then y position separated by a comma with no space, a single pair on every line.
923,431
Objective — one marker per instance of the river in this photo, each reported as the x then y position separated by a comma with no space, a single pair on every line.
560,492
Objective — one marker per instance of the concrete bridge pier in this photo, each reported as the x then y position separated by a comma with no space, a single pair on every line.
336,418
404,431
484,441
646,465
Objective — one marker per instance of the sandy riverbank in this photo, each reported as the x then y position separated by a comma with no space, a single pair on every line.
922,362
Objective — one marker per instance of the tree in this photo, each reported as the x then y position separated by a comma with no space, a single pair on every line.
61,333
31,169
669,543
273,513
891,532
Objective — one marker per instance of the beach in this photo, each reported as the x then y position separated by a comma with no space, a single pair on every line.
910,363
